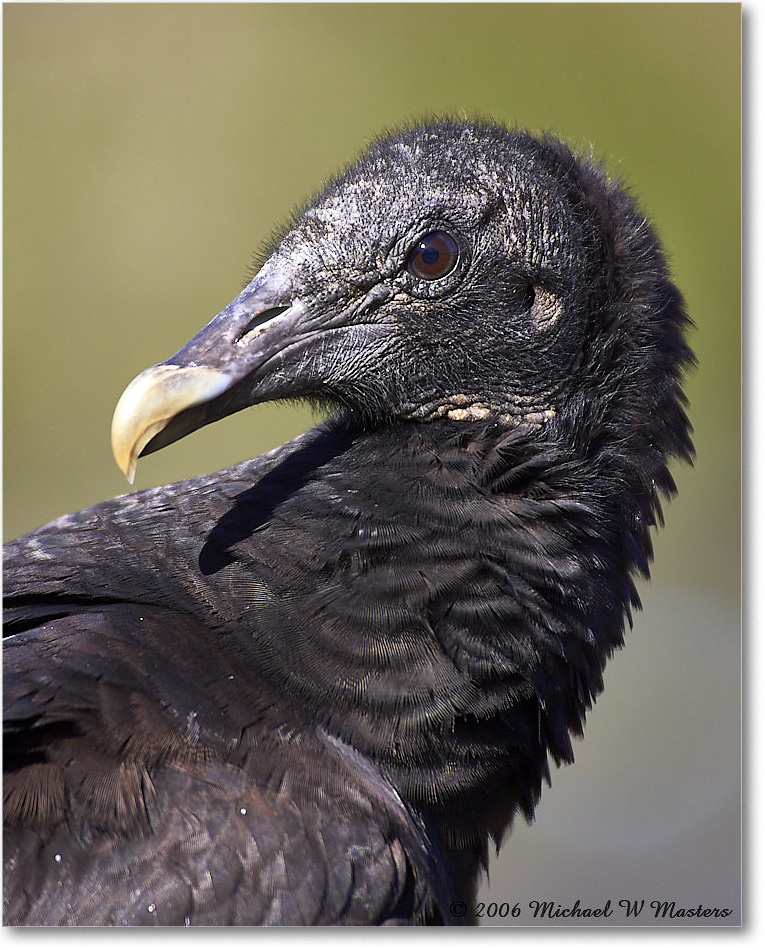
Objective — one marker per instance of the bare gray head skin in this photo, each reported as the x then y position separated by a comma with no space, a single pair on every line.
552,283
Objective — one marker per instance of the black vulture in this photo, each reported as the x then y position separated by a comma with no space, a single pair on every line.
313,688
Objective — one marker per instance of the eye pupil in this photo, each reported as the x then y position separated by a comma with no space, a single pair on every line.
433,256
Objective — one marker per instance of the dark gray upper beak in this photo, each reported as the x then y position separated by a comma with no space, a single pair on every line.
214,375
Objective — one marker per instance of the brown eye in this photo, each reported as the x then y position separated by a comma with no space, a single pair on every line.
433,256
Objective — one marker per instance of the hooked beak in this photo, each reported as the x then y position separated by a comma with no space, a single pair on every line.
214,375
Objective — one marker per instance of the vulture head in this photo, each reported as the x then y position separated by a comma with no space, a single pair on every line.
457,270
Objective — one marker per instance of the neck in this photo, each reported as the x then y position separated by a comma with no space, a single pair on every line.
466,660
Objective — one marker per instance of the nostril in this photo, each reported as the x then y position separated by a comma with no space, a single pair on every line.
259,319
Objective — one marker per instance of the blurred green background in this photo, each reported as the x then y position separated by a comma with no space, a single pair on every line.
149,149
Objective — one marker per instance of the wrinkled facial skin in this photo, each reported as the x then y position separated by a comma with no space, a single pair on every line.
517,274
557,302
